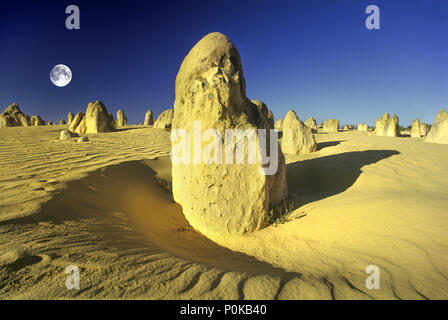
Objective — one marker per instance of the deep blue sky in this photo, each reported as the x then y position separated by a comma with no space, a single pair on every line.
313,56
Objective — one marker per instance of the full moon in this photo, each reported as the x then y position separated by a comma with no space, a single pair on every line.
60,75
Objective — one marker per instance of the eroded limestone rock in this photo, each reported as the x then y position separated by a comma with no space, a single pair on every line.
439,129
216,197
297,138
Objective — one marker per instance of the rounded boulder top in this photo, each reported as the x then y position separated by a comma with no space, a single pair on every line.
210,87
213,50
96,105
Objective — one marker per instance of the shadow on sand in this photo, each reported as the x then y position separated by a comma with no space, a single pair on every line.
322,145
134,127
316,179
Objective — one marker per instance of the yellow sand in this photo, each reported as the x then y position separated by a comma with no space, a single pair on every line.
103,205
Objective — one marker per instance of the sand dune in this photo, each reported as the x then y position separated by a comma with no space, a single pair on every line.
105,206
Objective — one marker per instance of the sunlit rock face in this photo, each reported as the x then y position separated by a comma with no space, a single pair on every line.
75,122
165,120
363,127
278,125
96,119
13,117
297,137
149,118
424,129
37,121
70,118
439,129
266,116
331,125
418,129
222,198
122,120
387,126
311,123
66,135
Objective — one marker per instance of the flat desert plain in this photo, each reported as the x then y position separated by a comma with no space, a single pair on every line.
106,207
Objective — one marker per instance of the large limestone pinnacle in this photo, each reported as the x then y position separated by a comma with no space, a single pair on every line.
218,197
